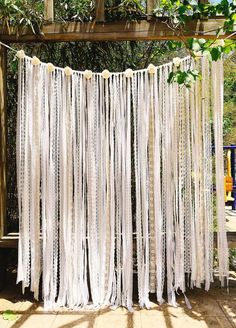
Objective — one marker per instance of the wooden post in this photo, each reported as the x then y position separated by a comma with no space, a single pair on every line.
3,147
3,267
100,10
49,10
151,4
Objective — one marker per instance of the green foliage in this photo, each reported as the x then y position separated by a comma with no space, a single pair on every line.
74,10
227,125
230,87
84,10
184,77
181,12
126,9
230,101
232,258
213,49
18,14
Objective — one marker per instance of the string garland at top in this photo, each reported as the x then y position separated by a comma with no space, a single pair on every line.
103,157
88,73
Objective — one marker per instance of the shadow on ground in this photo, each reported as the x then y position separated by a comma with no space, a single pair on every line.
216,308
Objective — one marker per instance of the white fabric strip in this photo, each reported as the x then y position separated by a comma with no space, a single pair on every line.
217,103
114,172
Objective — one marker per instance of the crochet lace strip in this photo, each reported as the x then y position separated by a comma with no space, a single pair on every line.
114,179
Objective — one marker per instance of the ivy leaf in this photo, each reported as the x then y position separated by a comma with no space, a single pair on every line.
202,41
180,77
215,53
170,77
182,10
227,50
190,43
195,45
9,315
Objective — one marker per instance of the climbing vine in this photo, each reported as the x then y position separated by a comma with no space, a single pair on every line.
212,49
17,14
177,14
181,12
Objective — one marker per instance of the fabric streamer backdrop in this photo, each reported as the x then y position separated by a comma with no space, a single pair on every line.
80,135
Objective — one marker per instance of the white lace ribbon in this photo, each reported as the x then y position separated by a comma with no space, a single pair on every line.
102,158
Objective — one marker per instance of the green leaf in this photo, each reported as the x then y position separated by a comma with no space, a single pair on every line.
196,46
190,43
202,41
9,315
181,76
182,10
215,53
170,77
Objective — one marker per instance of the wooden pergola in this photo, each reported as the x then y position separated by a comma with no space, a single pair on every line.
98,30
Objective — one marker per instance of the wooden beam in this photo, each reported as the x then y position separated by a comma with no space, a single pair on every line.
231,238
3,267
49,10
11,240
3,152
116,31
100,10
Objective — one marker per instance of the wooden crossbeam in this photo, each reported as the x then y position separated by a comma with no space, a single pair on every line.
117,31
11,240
